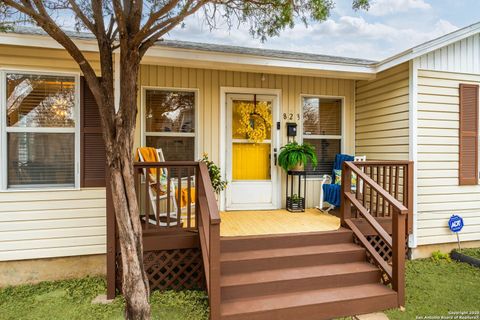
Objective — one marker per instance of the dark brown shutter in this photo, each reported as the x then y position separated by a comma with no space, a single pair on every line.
468,171
92,146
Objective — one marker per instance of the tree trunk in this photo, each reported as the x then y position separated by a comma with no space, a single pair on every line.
119,149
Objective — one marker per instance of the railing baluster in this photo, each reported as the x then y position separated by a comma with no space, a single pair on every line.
390,184
169,195
384,205
364,190
179,195
189,199
377,203
157,196
147,196
371,190
397,182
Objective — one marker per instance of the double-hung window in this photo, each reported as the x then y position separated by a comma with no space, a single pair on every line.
39,136
170,122
322,127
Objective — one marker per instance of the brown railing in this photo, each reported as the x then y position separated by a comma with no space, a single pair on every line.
394,177
179,216
382,196
166,195
209,232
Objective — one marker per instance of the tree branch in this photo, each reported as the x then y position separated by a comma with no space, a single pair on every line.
79,13
164,27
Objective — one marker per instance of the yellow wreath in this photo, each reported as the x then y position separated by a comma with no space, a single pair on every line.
261,112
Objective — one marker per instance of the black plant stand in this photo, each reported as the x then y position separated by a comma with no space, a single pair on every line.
296,201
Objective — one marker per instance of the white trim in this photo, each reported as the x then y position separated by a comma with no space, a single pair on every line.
169,134
195,134
44,41
342,138
413,143
255,63
45,129
3,134
223,123
4,129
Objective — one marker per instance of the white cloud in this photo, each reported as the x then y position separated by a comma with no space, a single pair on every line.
345,36
387,7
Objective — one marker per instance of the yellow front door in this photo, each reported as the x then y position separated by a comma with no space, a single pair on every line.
251,145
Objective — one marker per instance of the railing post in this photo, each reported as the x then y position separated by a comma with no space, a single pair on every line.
398,259
214,293
345,206
111,239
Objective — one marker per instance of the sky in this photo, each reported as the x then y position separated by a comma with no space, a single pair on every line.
387,28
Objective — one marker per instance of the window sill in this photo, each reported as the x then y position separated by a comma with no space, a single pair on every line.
19,190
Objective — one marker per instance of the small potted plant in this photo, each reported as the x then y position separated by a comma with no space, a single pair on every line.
294,156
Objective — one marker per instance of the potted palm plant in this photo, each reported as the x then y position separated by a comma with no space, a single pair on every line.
294,156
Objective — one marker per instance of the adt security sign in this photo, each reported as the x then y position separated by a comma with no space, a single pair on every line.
455,223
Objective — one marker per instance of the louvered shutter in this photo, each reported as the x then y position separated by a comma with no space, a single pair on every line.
468,170
92,145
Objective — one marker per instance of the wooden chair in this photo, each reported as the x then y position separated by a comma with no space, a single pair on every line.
152,194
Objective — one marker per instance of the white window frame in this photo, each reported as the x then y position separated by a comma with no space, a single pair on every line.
143,113
318,137
4,130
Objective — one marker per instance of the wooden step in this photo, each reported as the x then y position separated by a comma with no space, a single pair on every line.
230,244
311,304
267,282
266,259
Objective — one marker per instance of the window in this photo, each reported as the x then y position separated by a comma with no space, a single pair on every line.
170,123
322,127
40,125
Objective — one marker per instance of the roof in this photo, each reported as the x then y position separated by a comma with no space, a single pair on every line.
282,54
196,50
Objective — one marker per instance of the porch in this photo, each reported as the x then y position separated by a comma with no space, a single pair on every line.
275,257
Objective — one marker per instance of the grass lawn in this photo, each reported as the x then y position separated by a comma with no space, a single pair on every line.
71,299
433,289
436,287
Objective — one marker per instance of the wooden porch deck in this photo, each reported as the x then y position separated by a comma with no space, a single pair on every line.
275,264
270,222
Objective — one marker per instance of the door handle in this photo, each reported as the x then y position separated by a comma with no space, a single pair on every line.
275,156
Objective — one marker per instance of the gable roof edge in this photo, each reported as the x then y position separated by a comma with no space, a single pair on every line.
428,47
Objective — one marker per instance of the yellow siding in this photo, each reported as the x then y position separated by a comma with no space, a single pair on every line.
52,223
382,115
26,58
49,223
439,195
209,82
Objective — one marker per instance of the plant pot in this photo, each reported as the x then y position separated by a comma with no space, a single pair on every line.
298,167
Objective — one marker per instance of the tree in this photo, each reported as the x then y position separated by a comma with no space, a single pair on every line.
132,27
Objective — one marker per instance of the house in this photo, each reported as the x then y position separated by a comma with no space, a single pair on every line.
419,106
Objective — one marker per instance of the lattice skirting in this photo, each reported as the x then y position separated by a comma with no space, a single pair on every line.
171,269
381,247
383,250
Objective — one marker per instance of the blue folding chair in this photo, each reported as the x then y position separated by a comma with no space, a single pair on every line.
330,192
